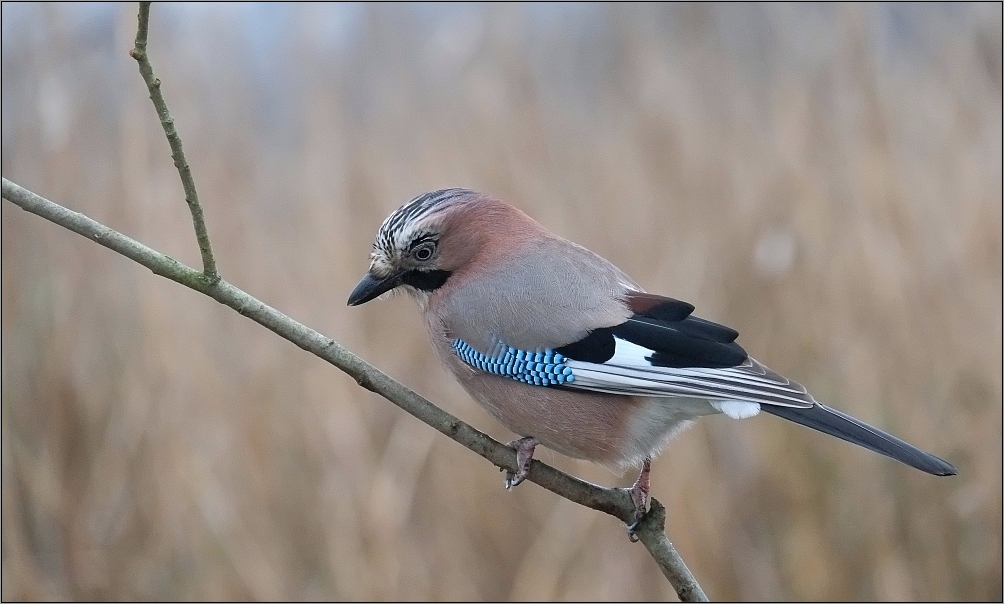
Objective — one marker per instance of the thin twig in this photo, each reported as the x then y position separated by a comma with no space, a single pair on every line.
615,502
177,153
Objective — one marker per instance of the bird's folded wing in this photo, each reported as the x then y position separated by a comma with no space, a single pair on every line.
660,350
631,371
663,350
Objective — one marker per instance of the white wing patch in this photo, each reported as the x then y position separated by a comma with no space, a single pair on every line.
736,391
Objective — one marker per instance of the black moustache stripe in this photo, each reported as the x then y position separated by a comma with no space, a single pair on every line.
426,281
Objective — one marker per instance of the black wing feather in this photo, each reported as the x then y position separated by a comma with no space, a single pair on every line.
597,347
666,327
687,342
673,346
704,329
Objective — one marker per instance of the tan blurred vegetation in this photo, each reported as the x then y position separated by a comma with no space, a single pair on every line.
827,179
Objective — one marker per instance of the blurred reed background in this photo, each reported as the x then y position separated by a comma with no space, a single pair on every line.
825,178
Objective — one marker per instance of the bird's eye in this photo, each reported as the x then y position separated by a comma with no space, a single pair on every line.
424,252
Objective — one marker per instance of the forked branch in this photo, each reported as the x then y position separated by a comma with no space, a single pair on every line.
616,502
174,139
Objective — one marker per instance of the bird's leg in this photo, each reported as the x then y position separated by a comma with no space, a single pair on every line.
639,493
524,455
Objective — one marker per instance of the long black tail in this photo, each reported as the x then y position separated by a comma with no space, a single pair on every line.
841,425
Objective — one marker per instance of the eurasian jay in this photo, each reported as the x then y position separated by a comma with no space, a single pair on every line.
569,352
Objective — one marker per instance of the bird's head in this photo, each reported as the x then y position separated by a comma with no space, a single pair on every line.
420,245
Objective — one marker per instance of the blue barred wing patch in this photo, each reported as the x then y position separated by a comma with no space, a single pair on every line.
538,368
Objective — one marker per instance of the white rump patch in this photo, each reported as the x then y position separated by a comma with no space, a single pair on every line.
737,409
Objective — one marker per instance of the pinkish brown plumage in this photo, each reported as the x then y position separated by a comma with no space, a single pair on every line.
568,351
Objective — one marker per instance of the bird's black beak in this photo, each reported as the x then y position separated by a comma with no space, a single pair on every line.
371,287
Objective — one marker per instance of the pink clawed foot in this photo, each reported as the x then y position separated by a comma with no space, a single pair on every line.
524,455
639,494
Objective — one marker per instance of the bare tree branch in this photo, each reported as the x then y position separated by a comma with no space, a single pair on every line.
651,531
616,502
187,182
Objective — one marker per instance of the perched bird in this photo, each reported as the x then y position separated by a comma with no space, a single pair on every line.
569,352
